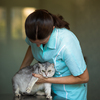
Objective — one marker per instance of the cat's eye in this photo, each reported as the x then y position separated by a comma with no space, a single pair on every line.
49,71
43,70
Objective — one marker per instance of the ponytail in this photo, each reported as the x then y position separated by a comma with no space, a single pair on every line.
59,22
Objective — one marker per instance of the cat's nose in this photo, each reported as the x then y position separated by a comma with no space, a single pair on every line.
46,74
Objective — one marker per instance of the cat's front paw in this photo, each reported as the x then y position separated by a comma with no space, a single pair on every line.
49,97
28,90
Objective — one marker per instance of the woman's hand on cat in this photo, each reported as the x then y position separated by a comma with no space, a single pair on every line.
41,79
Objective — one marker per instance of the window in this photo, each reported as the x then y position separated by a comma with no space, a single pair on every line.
16,20
18,16
2,23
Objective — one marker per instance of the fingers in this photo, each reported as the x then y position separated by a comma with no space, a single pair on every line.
36,75
33,74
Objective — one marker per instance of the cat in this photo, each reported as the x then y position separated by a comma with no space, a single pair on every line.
24,83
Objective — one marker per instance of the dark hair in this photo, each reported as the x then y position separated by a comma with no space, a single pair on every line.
39,24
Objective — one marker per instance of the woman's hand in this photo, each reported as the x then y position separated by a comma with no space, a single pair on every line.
41,79
83,78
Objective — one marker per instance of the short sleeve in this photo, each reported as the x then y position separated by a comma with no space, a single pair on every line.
72,55
74,61
27,41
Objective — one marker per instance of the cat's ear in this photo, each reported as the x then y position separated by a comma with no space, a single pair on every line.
40,65
52,65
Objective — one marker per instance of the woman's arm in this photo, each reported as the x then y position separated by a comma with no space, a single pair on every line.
28,58
84,78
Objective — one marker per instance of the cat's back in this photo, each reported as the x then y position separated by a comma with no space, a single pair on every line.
25,73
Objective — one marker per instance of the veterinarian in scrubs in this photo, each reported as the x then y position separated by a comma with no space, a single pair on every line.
50,39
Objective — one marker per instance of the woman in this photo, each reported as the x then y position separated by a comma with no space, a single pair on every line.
50,39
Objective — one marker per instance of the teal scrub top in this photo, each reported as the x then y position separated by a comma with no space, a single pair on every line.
63,49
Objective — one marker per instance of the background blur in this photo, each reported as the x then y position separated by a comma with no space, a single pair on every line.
84,19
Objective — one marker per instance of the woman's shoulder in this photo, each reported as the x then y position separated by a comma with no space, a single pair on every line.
64,30
65,36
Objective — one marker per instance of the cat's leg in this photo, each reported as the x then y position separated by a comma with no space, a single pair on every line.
48,90
16,90
31,84
17,93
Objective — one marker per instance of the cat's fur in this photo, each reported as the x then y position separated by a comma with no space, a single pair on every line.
24,83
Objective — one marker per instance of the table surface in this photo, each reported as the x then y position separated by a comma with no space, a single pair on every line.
12,97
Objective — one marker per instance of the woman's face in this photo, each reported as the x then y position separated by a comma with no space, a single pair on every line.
39,42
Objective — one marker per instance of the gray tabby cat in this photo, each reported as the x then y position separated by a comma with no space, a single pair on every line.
24,83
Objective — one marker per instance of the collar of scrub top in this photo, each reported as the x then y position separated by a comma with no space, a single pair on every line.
52,40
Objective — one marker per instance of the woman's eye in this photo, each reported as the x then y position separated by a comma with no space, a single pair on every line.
43,71
49,71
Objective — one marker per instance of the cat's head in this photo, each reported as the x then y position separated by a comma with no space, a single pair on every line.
46,69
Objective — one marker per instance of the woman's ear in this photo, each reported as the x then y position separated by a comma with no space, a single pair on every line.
53,27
